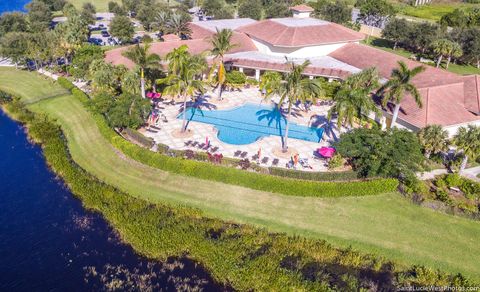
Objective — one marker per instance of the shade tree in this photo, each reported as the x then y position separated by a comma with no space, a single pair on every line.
400,84
122,28
374,152
250,9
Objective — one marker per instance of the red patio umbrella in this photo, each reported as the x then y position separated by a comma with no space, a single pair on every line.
326,152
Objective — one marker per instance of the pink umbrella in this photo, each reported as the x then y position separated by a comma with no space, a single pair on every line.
156,95
149,94
326,152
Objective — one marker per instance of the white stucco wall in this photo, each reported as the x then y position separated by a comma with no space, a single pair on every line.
303,52
452,130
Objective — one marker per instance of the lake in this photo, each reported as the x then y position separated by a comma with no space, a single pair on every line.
12,5
49,242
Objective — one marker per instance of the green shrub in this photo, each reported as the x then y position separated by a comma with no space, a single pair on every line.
443,196
335,162
316,176
5,97
139,137
65,83
236,78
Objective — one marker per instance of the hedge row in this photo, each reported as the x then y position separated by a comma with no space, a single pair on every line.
317,176
245,257
229,175
65,83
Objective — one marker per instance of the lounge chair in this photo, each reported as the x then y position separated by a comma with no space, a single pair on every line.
154,127
195,143
151,131
255,157
237,153
275,162
164,118
188,143
214,149
265,160
304,163
201,146
244,154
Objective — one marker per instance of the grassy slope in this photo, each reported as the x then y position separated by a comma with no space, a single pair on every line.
29,86
386,224
433,11
101,5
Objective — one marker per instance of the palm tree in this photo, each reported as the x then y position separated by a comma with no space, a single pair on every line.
178,24
184,77
399,84
354,98
455,52
468,140
441,47
161,21
139,55
221,43
295,87
433,139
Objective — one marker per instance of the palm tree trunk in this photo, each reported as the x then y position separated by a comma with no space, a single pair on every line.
395,45
287,126
142,82
395,115
448,61
184,123
464,164
219,94
439,60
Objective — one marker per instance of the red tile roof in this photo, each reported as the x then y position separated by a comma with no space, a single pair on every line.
195,46
275,33
302,8
472,93
170,37
448,98
198,32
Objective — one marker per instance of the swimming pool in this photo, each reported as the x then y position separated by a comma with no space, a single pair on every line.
247,123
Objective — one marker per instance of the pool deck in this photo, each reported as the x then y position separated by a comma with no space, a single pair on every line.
316,116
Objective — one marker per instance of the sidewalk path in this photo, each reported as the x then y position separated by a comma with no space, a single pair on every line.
470,173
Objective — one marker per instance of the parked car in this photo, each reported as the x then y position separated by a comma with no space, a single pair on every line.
105,34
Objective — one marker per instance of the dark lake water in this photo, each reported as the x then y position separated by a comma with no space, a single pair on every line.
48,242
12,5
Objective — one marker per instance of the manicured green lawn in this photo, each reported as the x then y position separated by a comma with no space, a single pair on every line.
28,85
387,224
101,5
432,11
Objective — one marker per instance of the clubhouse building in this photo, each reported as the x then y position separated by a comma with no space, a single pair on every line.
335,52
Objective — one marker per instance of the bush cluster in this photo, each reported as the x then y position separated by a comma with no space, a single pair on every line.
317,176
250,258
65,83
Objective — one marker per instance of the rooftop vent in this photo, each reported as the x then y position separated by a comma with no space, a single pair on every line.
301,11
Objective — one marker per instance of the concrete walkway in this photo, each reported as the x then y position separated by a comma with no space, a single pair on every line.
470,173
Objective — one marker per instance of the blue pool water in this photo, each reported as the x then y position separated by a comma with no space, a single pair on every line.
12,5
248,123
